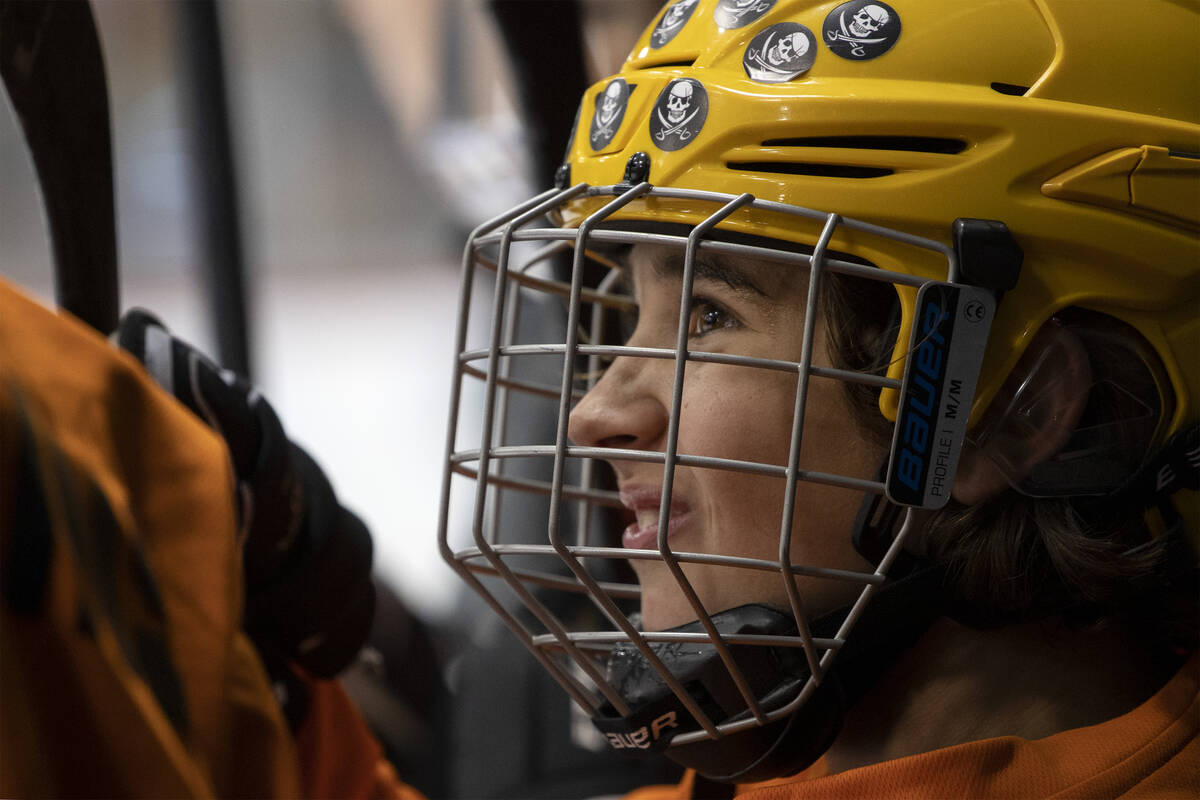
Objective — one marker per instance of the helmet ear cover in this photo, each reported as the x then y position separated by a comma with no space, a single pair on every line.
1038,406
1079,414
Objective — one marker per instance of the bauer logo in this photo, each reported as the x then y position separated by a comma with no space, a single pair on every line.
779,53
861,29
949,336
642,738
610,110
679,114
671,22
731,14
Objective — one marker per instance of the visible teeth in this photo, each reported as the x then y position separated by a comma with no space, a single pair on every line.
647,517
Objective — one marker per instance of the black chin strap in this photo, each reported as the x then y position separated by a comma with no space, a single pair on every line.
891,623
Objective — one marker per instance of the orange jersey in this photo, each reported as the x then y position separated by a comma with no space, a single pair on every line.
125,672
1151,752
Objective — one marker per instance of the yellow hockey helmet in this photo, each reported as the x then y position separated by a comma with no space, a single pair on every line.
1076,124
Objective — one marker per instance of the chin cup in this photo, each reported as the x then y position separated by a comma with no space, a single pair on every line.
775,674
902,611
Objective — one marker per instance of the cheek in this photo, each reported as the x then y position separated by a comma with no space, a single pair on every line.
747,414
748,417
737,412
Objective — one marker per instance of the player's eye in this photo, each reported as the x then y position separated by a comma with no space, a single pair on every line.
709,316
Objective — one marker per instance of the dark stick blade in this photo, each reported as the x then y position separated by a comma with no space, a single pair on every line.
53,69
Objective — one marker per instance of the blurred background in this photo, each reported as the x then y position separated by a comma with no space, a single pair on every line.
367,137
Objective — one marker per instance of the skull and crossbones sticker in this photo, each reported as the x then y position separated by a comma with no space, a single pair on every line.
679,114
671,22
610,111
730,14
861,29
780,52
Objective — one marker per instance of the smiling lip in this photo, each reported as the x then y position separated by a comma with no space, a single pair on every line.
645,502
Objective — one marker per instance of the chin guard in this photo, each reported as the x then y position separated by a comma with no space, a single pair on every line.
774,673
890,625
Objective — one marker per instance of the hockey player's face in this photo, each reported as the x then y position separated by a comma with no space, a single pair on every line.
744,308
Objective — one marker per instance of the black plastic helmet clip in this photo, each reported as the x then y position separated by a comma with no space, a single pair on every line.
562,176
988,255
637,169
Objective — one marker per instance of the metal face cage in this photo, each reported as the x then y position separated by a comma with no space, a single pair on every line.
519,568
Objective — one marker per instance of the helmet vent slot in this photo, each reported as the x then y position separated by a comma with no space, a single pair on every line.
658,64
912,144
1010,88
820,170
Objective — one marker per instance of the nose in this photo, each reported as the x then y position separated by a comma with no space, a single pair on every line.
624,409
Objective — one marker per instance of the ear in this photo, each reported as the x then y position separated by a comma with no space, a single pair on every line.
1030,419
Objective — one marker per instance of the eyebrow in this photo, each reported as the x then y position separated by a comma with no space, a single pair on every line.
732,276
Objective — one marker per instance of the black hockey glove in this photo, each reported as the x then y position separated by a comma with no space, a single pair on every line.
307,560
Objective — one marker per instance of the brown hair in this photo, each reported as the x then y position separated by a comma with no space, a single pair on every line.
1013,556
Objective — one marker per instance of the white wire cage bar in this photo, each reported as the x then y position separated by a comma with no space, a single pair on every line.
631,590
609,638
616,351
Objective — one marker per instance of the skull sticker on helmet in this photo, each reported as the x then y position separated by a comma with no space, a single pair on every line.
672,20
780,52
610,111
679,113
861,29
731,14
